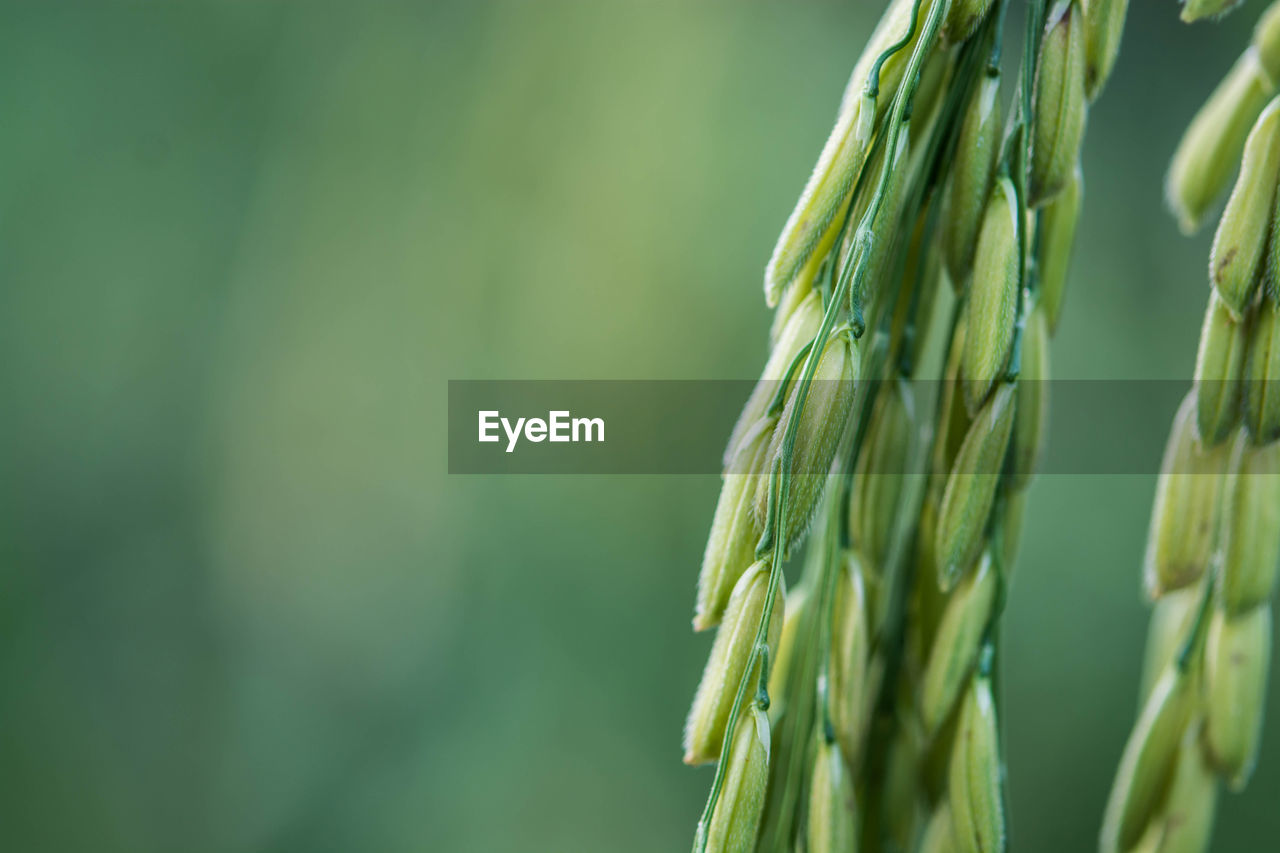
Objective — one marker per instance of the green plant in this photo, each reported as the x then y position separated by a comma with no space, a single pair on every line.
1214,540
881,682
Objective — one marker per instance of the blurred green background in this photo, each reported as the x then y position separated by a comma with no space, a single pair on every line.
244,245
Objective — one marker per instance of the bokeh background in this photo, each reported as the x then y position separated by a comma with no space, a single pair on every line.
244,245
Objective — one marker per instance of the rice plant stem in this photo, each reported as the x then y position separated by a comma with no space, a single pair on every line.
779,394
1195,634
873,79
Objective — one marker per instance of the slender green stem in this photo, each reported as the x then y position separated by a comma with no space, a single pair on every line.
765,546
1195,634
873,79
780,393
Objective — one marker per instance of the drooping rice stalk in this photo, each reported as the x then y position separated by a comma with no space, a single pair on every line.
1214,541
877,681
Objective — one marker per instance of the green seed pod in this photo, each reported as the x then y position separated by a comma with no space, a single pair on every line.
963,18
1031,427
880,473
832,825
844,154
955,647
795,296
1195,10
1148,761
971,486
977,811
1210,148
735,820
1058,221
1236,259
1266,40
939,836
795,624
822,422
1058,108
1251,530
734,532
1171,619
1103,26
1188,501
1236,657
813,226
800,329
1219,366
1262,374
847,694
735,638
991,311
1187,819
878,266
972,172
